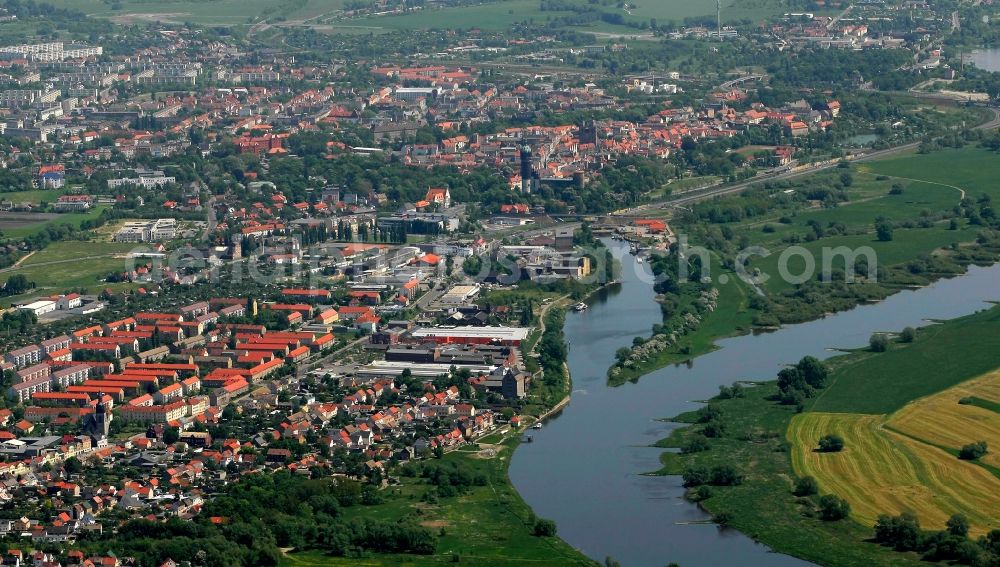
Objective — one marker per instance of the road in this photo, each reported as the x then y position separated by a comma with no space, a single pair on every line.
210,217
839,17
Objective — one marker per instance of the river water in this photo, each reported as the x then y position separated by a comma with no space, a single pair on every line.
985,59
583,469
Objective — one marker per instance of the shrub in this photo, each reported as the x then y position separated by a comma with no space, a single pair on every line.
723,518
908,335
833,508
704,492
714,430
725,475
695,445
544,528
806,486
878,343
973,451
831,444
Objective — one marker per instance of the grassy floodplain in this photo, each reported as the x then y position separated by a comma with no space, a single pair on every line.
502,14
930,183
900,417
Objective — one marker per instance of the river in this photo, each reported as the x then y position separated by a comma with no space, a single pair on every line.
583,469
986,59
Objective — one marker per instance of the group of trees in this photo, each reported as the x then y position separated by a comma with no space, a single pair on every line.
903,533
261,514
799,382
718,475
16,285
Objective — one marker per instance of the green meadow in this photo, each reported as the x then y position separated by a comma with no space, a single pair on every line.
69,265
206,12
503,14
943,355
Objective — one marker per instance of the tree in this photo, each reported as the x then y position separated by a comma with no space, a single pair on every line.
878,343
17,284
544,528
908,335
806,486
170,435
973,451
72,465
883,230
958,525
813,371
901,533
622,354
831,444
833,508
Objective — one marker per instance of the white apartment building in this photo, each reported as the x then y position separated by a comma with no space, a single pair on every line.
53,51
146,180
147,231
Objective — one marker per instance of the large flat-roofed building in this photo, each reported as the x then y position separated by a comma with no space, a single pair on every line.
146,180
25,97
389,369
53,51
413,93
39,308
460,294
507,336
147,231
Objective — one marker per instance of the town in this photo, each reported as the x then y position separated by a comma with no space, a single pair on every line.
289,285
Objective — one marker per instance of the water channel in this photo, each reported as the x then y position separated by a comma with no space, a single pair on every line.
583,469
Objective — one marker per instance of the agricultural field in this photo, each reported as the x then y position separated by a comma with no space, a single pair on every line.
501,15
205,12
943,356
869,198
12,222
883,472
947,420
763,506
900,417
22,225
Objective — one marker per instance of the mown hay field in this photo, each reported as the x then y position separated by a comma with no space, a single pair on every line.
882,472
941,420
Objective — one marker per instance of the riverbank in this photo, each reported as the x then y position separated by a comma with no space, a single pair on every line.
605,436
764,506
927,248
751,432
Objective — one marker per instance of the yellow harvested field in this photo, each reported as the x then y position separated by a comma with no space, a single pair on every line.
882,472
940,420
